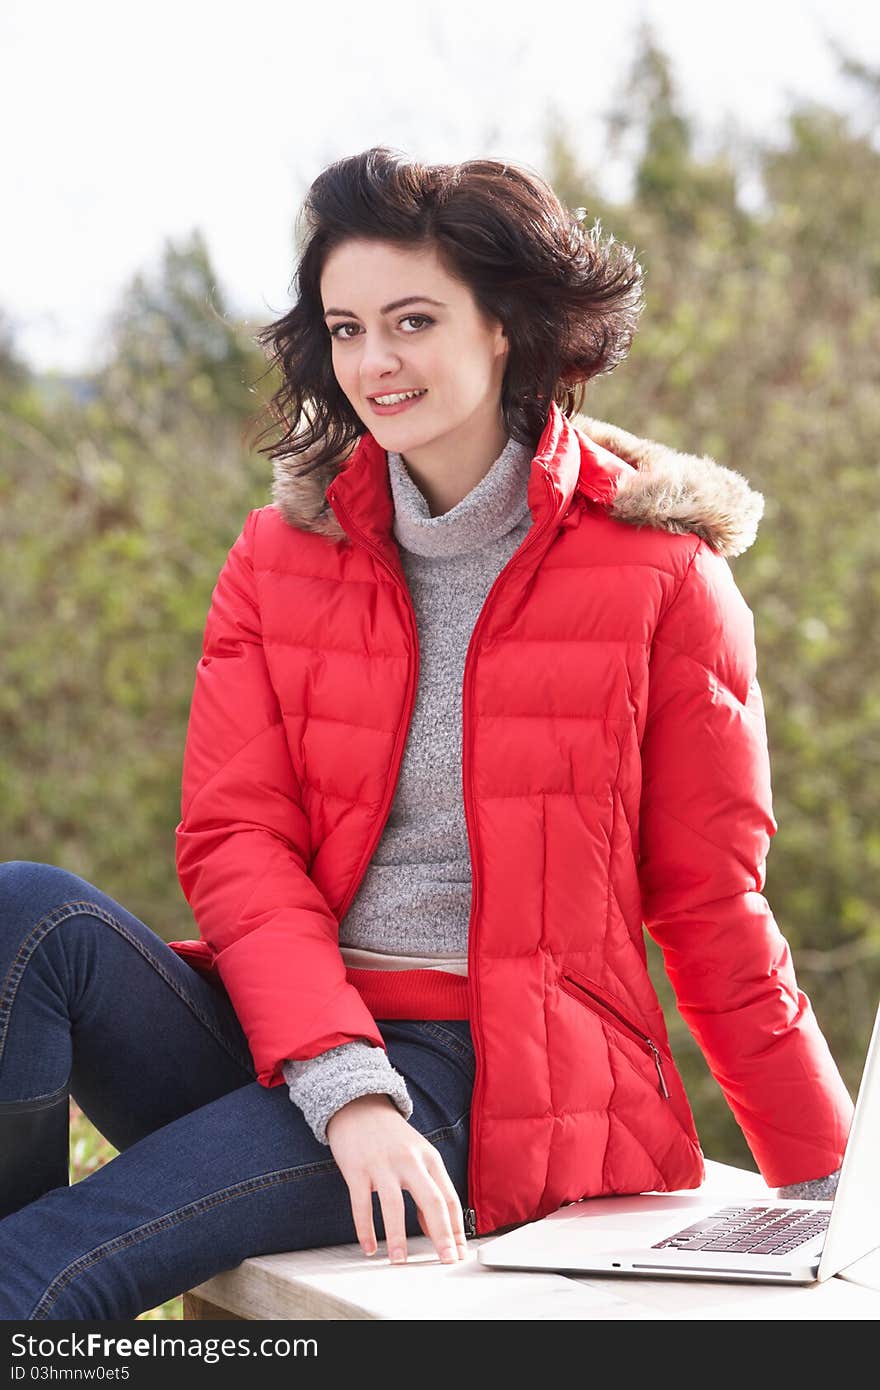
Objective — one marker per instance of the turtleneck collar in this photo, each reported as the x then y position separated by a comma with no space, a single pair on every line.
491,509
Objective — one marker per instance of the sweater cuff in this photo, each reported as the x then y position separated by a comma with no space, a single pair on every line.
815,1190
321,1085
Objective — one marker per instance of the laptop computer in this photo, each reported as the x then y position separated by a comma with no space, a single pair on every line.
684,1236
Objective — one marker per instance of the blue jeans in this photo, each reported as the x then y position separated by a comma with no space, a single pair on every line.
212,1167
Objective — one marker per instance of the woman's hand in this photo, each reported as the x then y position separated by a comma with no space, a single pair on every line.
378,1150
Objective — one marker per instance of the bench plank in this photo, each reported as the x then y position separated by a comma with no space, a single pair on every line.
197,1309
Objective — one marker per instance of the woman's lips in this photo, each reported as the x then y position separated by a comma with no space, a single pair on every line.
401,405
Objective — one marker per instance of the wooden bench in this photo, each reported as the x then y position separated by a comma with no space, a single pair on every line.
339,1282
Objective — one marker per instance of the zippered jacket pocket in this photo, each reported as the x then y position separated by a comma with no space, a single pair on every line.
609,1010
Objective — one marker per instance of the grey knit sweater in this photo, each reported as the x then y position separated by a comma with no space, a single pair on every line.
413,904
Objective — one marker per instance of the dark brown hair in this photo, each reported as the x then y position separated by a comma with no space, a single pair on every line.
568,299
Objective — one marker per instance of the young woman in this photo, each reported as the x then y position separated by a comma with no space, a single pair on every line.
478,702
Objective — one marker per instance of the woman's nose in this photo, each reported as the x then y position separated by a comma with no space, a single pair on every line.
378,360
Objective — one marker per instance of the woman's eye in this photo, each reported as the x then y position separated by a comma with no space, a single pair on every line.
335,332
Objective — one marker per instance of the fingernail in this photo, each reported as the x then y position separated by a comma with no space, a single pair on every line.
369,1250
398,1257
449,1252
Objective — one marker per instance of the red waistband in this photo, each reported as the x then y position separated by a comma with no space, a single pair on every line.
412,993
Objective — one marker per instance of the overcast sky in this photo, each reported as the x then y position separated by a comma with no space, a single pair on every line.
125,124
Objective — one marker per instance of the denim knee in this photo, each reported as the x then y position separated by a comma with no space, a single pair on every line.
28,890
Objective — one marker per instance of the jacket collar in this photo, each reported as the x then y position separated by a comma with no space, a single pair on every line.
638,481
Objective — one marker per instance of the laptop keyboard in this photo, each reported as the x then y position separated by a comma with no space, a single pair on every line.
751,1230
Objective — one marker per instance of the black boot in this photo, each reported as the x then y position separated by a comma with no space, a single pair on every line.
34,1149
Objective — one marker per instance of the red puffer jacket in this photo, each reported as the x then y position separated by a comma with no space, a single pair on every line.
615,774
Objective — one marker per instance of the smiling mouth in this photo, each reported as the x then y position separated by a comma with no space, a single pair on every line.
406,395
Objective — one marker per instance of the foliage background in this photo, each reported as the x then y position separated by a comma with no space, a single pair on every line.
122,491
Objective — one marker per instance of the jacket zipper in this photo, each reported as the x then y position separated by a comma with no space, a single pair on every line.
470,1215
622,1022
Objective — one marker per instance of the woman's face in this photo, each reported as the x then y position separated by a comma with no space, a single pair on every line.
438,343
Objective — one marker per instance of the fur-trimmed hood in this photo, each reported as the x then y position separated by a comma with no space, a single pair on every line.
679,492
662,488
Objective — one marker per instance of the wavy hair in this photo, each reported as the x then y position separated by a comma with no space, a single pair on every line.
569,299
